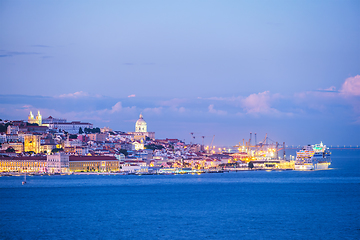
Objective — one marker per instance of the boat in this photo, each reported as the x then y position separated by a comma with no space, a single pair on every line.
24,182
313,157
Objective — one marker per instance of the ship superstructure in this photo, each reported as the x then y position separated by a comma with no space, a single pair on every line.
313,157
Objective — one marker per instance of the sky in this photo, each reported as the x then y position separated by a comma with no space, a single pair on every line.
288,69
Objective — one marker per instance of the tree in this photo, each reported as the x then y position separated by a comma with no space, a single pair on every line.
124,151
92,130
81,131
73,136
10,150
153,146
251,165
32,124
3,127
55,150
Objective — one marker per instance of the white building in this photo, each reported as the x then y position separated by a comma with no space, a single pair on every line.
57,163
141,130
12,129
70,127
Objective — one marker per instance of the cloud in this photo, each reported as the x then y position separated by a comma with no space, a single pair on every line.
258,103
213,110
16,53
74,95
351,86
329,89
132,95
155,110
182,109
116,108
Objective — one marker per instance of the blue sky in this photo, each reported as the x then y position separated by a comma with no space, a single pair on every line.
225,68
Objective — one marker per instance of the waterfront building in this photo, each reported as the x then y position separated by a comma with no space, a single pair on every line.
34,164
133,165
93,164
57,163
273,164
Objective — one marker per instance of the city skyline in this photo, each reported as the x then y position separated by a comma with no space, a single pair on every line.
288,69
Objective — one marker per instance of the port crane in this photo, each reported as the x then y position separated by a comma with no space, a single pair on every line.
258,149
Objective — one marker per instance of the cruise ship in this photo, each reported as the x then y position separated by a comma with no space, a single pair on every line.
313,157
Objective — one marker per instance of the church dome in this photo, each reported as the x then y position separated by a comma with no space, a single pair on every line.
141,125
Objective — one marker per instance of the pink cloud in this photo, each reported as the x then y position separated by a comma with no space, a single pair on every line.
74,95
351,86
132,95
258,103
173,102
213,110
116,108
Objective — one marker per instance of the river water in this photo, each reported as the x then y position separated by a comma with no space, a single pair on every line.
244,205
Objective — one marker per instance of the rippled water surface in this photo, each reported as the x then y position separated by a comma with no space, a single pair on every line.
244,205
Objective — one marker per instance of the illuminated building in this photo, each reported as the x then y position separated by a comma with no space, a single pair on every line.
17,146
138,145
34,164
37,119
93,164
32,143
47,148
141,125
105,129
141,130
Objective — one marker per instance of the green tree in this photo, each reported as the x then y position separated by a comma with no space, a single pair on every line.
81,131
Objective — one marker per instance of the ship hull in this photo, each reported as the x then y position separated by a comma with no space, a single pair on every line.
315,166
304,167
321,166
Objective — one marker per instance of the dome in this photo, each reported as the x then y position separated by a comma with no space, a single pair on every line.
141,125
